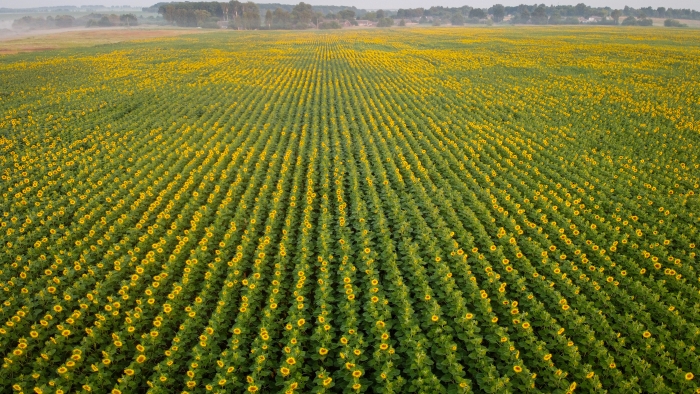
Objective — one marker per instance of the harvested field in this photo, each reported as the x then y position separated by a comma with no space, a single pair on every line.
42,40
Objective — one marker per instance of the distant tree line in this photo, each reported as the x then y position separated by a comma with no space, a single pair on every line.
542,14
113,20
302,16
64,21
192,14
50,22
263,7
249,15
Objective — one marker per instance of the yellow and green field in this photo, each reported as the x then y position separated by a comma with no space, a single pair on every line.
384,210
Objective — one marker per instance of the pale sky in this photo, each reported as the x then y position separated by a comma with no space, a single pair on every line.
375,4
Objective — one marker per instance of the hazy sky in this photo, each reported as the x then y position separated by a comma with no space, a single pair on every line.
387,4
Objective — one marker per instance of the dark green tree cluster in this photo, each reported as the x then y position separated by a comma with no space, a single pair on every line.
568,14
244,16
50,22
632,21
662,12
192,14
385,22
329,25
432,12
248,15
302,16
129,20
674,23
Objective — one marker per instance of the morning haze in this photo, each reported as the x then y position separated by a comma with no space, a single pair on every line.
369,4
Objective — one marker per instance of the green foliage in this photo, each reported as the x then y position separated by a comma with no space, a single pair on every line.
68,20
385,22
674,23
539,16
31,22
477,13
632,21
346,14
302,14
129,20
417,210
182,13
329,25
499,12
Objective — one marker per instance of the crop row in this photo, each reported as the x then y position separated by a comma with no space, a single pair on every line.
417,212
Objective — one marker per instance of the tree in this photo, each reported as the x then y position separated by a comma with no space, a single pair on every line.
555,19
457,20
661,11
380,14
128,19
346,14
539,16
302,14
329,25
385,22
235,8
403,23
200,16
674,23
525,16
64,21
580,9
477,13
268,18
616,14
629,21
104,22
168,13
499,12
281,19
250,16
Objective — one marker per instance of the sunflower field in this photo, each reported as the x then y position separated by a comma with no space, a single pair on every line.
446,210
